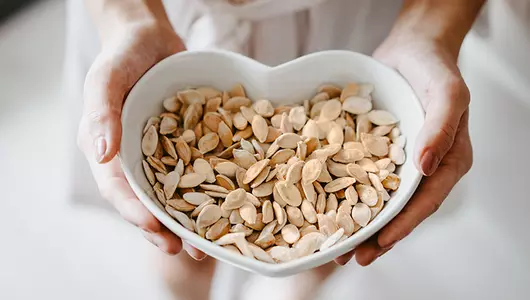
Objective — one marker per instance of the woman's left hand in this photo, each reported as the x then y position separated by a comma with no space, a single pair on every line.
443,150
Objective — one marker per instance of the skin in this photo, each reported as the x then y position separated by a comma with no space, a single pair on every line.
134,35
423,47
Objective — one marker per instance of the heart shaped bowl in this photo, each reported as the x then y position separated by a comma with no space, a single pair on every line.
289,83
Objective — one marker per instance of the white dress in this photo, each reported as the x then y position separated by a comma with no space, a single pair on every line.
271,31
276,31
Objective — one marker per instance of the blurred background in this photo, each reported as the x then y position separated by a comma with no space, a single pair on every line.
52,248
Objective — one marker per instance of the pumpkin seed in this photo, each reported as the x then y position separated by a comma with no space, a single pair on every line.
391,182
217,230
191,180
209,215
349,90
382,118
339,184
234,104
290,233
182,218
183,150
268,212
248,213
356,105
332,239
168,125
150,141
255,170
202,167
361,214
331,90
260,128
294,215
289,193
235,199
297,117
264,108
289,184
396,154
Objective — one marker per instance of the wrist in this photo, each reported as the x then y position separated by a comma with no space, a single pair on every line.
148,30
442,23
113,17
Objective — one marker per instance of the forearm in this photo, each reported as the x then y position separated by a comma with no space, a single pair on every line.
111,16
443,21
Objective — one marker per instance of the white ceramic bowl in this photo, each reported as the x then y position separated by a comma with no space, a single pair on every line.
289,83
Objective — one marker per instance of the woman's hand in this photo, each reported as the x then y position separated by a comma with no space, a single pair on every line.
126,55
423,46
443,150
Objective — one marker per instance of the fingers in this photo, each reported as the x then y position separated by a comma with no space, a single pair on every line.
462,157
368,251
165,240
345,258
105,89
114,187
427,199
365,253
434,76
424,203
119,194
444,109
194,252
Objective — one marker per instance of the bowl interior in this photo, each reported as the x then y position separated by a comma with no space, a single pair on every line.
286,84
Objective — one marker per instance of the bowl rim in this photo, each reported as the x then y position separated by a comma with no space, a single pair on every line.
254,265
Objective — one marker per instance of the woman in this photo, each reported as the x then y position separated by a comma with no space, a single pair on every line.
421,39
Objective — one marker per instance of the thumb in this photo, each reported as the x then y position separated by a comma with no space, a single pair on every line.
104,92
448,101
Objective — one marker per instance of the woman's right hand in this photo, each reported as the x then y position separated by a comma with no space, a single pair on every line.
126,55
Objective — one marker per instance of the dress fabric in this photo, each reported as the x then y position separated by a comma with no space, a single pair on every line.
270,31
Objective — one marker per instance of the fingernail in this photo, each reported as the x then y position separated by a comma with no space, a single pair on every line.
389,246
385,249
372,260
200,258
383,252
429,163
342,263
193,253
101,148
158,241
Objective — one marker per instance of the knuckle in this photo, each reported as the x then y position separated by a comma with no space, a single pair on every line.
148,223
457,90
462,163
148,236
465,166
132,219
101,117
129,219
468,164
97,117
407,230
434,206
448,132
105,192
94,76
107,188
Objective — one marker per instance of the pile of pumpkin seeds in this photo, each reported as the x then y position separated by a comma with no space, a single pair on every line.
273,183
